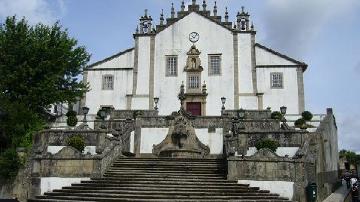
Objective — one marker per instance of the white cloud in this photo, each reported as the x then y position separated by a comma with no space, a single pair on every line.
34,11
294,25
348,134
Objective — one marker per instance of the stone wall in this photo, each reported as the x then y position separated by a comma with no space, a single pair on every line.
45,170
327,155
265,165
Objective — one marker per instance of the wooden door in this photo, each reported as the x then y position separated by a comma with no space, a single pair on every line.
194,108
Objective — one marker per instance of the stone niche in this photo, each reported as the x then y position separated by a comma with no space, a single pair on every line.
181,140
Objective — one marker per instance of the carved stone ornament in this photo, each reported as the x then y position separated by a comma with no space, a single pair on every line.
181,141
193,63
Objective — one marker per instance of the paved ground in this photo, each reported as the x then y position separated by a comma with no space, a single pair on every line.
340,195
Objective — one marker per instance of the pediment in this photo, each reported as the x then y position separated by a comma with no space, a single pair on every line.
194,14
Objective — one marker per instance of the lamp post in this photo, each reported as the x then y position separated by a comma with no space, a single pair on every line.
156,101
223,100
85,111
283,112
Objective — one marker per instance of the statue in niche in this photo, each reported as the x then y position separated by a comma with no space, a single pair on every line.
193,63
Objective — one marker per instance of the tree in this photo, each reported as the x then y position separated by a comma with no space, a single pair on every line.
350,156
39,66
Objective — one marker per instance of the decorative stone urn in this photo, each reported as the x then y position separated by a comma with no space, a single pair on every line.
181,140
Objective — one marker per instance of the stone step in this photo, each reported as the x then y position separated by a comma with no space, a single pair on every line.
111,197
169,168
163,172
184,169
168,188
197,163
108,185
173,159
164,163
154,183
161,180
164,192
162,176
75,199
138,184
138,172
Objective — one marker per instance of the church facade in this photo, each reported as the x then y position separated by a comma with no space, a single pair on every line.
204,53
197,62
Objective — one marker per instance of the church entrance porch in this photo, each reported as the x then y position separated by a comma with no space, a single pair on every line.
194,108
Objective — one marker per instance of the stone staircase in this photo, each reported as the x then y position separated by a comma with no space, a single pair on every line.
162,179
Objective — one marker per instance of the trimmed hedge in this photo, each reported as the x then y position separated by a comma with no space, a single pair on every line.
276,115
76,141
267,143
72,121
307,116
300,123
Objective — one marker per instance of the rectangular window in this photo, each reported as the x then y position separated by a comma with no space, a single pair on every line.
276,79
194,82
171,65
214,64
108,82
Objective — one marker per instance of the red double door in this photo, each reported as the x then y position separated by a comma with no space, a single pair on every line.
194,108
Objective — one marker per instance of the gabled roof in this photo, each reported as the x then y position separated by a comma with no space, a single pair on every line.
205,14
302,64
109,58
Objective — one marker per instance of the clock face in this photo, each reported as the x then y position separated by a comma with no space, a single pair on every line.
194,37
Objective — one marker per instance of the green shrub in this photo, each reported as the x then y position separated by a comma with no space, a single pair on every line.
10,164
76,141
267,143
307,116
71,121
300,123
276,115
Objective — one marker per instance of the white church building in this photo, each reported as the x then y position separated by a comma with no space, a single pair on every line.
211,56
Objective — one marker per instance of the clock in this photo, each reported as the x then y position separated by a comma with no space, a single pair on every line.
194,37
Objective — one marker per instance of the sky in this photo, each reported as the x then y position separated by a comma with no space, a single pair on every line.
325,34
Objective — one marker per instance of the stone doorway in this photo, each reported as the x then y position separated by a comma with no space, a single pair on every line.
194,108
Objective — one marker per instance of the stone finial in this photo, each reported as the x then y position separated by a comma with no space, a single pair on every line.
252,26
329,111
172,10
215,9
181,95
204,5
204,89
194,2
182,6
137,30
226,15
162,17
146,11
